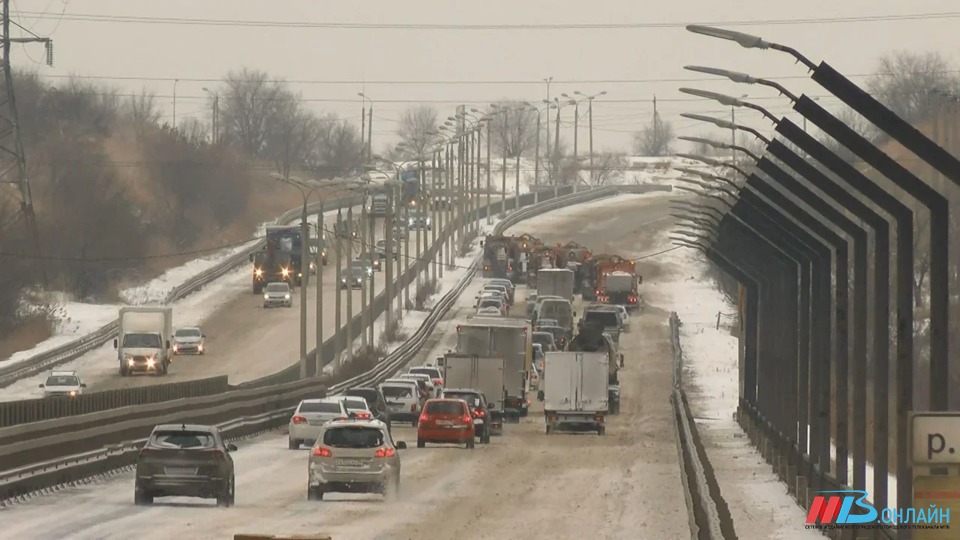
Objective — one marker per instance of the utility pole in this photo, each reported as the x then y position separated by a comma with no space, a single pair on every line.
548,80
370,133
489,140
536,159
733,133
363,127
556,159
216,118
656,121
13,165
175,81
576,160
590,113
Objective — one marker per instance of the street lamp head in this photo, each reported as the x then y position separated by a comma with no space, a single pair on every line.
579,93
708,142
708,161
694,172
723,99
734,76
719,122
744,40
572,102
476,110
603,93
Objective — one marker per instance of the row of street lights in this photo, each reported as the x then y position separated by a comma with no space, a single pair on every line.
792,262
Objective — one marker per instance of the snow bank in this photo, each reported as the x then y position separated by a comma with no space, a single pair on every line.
755,495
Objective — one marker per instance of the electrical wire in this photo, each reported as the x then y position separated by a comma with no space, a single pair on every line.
183,21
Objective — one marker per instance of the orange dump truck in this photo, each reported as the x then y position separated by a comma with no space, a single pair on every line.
617,282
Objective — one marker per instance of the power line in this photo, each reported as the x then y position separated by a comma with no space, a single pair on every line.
453,81
184,21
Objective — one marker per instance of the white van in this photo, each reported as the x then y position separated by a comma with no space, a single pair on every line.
558,309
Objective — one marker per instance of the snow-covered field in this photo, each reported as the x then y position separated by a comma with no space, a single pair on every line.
79,318
758,501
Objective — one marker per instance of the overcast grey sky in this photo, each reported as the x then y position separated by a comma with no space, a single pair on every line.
651,58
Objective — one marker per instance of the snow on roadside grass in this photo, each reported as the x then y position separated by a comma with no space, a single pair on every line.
756,497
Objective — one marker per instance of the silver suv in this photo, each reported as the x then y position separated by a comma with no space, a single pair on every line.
354,456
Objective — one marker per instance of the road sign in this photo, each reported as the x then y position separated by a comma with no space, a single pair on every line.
935,438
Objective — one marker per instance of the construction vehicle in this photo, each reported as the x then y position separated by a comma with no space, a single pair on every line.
528,245
540,258
617,283
279,260
500,257
572,256
505,338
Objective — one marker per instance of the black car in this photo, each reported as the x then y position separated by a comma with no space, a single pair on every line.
485,423
185,460
375,400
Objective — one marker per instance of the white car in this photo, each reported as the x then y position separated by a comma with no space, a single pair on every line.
356,407
63,384
432,389
435,374
309,418
188,341
403,399
277,294
495,302
490,312
624,315
352,455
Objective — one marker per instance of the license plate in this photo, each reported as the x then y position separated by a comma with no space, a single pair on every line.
315,422
444,422
180,471
345,462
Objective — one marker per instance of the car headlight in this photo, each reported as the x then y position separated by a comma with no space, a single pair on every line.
258,272
151,362
73,393
266,297
286,297
200,347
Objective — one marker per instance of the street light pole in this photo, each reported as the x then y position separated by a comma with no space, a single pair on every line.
489,120
590,114
175,81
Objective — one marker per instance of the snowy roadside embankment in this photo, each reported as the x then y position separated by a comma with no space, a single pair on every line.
78,319
757,499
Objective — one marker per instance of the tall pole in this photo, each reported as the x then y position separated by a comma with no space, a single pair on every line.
389,253
591,142
372,294
489,185
516,197
439,221
503,168
321,246
175,81
733,133
365,284
549,79
406,264
476,180
302,278
350,336
363,126
370,132
474,194
338,317
417,262
400,259
656,121
216,118
536,159
576,130
556,158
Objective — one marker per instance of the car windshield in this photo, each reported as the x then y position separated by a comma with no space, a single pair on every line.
606,318
543,338
396,391
187,332
429,372
370,396
62,380
353,437
355,404
147,341
183,439
277,287
473,400
444,407
358,265
490,303
319,407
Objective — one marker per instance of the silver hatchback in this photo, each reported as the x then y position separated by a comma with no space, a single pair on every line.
277,294
354,456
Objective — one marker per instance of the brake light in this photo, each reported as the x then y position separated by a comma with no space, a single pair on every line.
459,328
218,453
479,413
363,415
467,419
424,418
385,452
322,451
598,418
299,420
438,382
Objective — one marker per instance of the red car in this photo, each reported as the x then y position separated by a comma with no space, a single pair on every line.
445,421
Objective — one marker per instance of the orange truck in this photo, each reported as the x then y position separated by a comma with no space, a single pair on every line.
572,256
617,282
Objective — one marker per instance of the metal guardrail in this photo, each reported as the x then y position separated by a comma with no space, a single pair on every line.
709,517
78,347
102,442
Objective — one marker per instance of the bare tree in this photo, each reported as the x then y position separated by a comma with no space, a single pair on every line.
912,84
418,127
141,110
291,133
338,151
513,127
248,103
654,139
194,131
608,167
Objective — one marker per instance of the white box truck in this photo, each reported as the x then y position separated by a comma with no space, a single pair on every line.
505,338
486,374
575,391
143,339
555,282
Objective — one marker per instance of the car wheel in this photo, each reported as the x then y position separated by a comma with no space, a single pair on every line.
421,444
226,499
601,430
293,444
142,498
471,444
123,371
549,429
485,436
414,422
314,493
